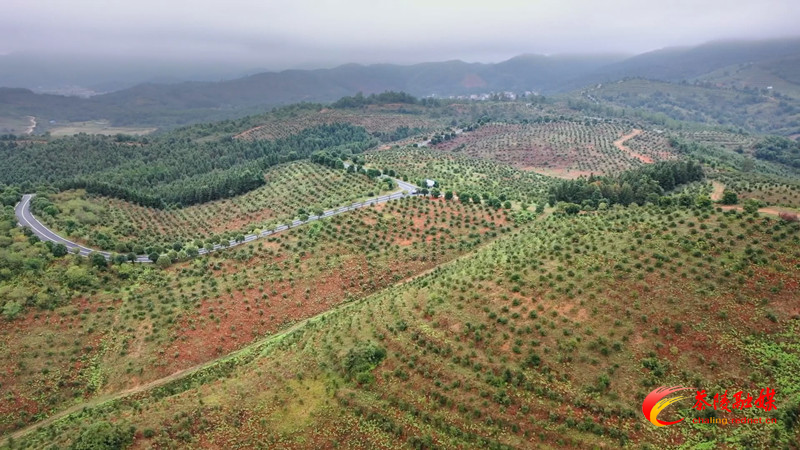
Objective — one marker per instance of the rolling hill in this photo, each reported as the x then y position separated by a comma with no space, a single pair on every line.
686,63
732,64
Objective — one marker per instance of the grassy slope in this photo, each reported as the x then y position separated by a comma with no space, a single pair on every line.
550,336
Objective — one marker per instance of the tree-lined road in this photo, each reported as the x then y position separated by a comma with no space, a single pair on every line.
26,219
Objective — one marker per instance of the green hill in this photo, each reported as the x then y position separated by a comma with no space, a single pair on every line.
765,111
553,334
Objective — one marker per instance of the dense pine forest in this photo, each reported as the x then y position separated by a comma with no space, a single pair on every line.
641,185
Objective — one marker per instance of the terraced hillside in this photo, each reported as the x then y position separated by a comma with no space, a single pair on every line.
503,309
738,142
773,191
131,324
563,148
554,333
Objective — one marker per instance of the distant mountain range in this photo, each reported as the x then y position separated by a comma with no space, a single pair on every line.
167,105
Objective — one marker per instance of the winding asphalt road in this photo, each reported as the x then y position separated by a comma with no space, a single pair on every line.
26,219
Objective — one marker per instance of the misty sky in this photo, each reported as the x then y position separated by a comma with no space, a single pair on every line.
314,33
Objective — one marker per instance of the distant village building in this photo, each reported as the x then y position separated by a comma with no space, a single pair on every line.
430,183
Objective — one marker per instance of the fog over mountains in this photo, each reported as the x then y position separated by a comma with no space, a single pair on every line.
163,103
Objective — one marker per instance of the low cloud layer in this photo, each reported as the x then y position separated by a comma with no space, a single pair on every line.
314,33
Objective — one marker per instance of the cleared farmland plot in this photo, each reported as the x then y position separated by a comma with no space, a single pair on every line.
773,191
96,127
562,148
106,222
727,140
18,125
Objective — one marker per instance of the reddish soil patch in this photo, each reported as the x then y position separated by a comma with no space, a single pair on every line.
765,279
549,148
566,309
472,80
219,328
483,132
240,223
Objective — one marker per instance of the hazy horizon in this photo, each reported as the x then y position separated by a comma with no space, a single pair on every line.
324,34
85,42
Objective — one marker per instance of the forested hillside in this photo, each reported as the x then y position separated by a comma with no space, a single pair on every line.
167,170
646,184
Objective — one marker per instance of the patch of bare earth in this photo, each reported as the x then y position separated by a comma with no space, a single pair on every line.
771,210
716,193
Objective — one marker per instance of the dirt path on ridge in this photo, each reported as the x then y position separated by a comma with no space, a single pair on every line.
167,379
716,193
620,144
32,126
771,210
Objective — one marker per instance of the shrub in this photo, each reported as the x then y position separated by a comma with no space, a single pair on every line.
12,309
59,250
729,198
569,208
751,206
98,260
362,359
703,201
77,276
103,436
164,261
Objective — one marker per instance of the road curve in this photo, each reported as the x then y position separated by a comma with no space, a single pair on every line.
26,219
